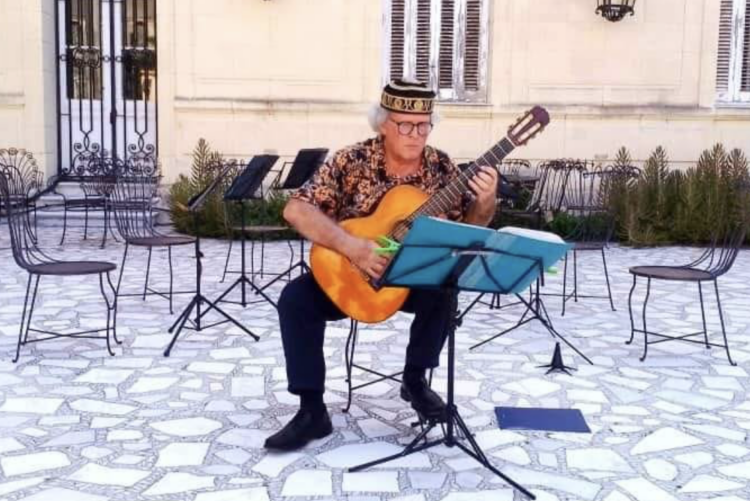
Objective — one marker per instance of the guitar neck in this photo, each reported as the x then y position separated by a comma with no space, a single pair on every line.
445,199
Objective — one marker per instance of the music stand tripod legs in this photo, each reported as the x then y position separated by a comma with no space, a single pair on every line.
198,300
243,281
536,310
453,420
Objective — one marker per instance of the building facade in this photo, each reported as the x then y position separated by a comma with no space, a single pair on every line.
150,77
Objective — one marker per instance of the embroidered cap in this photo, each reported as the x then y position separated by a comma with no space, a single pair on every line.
404,96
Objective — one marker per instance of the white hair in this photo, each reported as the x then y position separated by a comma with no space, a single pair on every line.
377,115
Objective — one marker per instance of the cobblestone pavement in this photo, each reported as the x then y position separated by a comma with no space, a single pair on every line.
78,424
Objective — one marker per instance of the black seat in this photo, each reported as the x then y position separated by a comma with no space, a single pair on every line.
671,273
73,268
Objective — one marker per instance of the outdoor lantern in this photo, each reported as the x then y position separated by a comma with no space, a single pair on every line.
615,10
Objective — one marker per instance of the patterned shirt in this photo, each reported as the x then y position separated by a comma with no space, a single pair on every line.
352,182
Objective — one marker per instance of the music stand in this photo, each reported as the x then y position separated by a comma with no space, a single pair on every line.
243,188
452,257
304,166
194,206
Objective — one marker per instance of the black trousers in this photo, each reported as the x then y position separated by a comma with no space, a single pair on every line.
304,310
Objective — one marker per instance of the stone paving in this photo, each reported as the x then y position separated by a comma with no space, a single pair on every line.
77,424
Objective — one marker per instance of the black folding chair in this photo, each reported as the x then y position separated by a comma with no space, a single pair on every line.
715,261
28,256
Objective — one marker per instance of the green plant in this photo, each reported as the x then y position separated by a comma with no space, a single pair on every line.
216,218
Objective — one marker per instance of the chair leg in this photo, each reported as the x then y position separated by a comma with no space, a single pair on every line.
262,253
114,309
565,284
148,272
351,344
645,328
65,222
606,277
630,311
31,310
226,263
122,271
721,319
86,220
171,277
703,316
109,314
575,276
23,319
106,226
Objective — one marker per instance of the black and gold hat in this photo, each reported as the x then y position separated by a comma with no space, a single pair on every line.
407,97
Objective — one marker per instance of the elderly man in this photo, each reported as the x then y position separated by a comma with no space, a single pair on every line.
350,185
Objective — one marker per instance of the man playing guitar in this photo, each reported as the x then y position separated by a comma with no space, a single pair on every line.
350,185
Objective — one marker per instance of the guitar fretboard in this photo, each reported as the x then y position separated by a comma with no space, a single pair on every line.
442,201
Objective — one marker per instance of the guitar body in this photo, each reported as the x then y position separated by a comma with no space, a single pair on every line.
347,286
344,284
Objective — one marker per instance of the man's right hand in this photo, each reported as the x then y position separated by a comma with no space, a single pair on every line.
361,252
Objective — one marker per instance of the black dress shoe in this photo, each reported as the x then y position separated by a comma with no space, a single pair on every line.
423,399
305,426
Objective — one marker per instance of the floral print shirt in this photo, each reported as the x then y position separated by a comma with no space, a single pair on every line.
352,182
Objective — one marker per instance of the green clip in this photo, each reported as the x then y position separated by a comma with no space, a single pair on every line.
552,270
387,245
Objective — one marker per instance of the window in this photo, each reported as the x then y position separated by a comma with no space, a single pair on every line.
733,65
442,42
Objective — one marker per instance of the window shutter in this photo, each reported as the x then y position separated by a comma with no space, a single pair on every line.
423,41
725,46
447,32
745,78
398,38
473,44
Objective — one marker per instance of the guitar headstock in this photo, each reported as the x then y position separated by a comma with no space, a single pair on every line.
529,125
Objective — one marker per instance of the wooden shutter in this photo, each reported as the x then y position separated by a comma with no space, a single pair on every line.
398,38
745,75
423,41
447,40
473,44
725,46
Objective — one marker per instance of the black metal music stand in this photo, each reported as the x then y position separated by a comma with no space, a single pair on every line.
243,188
302,169
423,263
195,204
536,310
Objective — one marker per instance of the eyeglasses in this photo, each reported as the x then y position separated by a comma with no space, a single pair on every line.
406,128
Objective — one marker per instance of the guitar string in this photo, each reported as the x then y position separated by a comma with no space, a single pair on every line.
443,199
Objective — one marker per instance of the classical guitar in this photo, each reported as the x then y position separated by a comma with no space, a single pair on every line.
351,289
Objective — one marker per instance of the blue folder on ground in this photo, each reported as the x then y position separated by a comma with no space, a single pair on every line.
524,418
509,263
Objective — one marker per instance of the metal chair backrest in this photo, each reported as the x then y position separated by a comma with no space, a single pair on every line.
102,175
26,167
14,195
132,202
719,257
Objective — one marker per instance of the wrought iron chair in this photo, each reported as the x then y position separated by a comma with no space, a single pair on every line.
32,179
715,261
31,258
587,198
97,189
132,202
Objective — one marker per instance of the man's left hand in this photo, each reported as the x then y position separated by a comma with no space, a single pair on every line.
484,186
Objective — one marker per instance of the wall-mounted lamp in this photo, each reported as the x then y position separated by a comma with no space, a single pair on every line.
615,10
